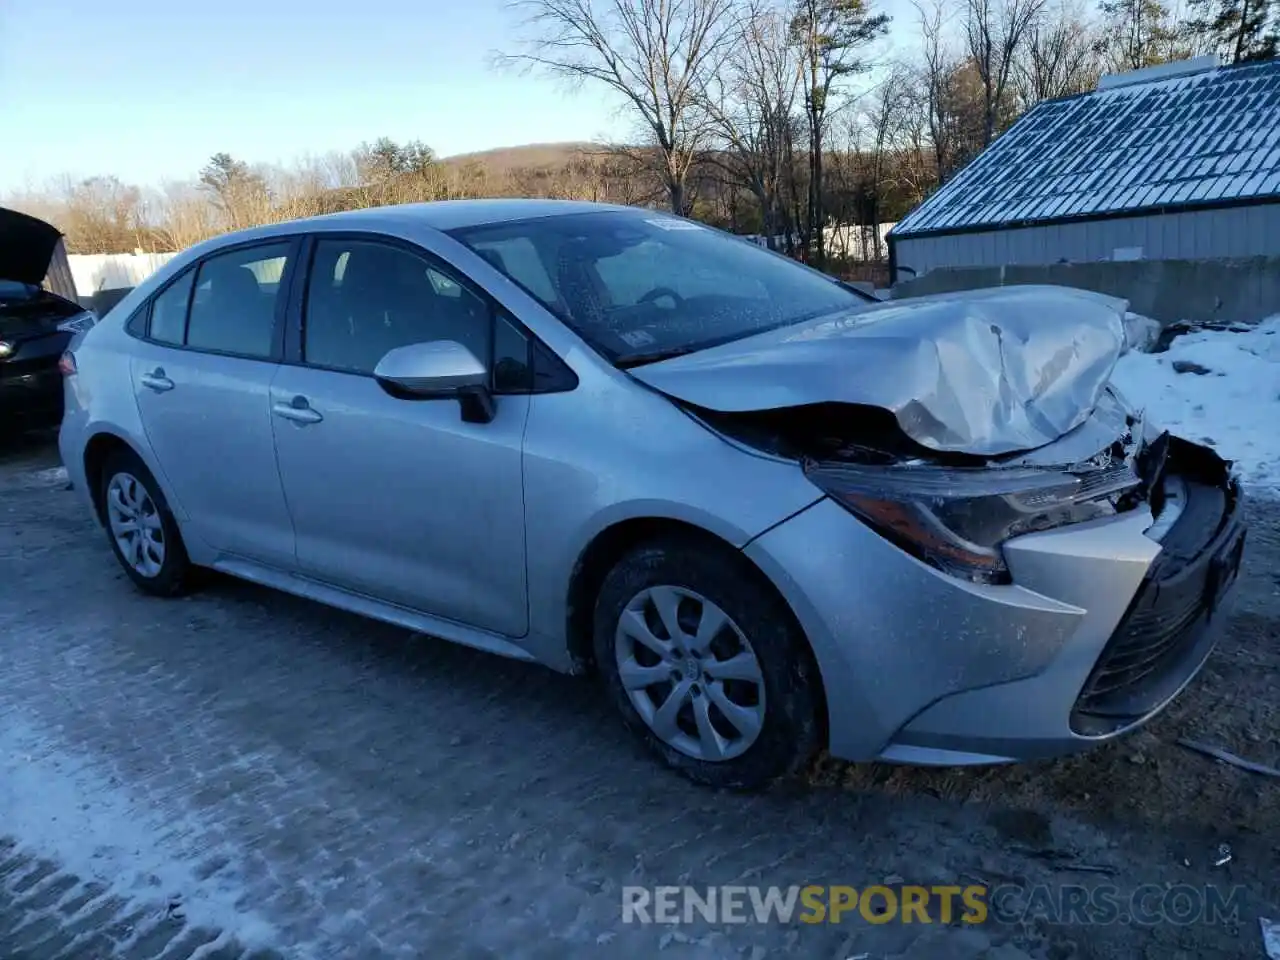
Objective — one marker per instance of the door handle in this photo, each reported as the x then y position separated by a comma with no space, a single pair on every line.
156,380
298,410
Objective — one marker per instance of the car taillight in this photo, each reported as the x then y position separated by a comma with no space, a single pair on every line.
67,363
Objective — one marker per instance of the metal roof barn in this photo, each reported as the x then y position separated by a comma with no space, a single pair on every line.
1175,162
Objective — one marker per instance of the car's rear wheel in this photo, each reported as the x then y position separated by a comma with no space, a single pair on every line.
706,664
143,533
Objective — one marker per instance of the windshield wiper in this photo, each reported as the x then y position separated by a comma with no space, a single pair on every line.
653,356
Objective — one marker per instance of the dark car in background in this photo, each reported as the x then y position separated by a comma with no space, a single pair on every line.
36,324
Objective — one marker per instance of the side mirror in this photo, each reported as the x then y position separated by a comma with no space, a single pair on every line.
436,369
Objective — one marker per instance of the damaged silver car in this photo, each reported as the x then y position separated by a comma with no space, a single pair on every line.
769,512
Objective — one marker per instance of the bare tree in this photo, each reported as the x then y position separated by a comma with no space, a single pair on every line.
938,64
995,31
103,215
833,36
751,105
656,54
1061,57
911,173
637,173
886,119
185,215
1139,33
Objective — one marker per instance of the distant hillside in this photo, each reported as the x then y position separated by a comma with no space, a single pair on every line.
529,156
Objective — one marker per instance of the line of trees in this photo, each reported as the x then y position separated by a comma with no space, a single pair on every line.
777,117
775,93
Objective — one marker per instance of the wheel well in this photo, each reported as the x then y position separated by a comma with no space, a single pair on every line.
612,543
96,452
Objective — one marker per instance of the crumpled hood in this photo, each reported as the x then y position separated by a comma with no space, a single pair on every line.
27,245
985,372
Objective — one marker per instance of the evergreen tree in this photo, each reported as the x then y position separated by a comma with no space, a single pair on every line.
1240,30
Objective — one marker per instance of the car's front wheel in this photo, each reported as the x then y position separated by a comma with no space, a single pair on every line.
706,664
144,535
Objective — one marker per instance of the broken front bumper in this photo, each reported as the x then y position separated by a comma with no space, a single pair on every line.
1164,638
1166,634
1104,623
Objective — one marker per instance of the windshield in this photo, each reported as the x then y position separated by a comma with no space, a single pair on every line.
641,286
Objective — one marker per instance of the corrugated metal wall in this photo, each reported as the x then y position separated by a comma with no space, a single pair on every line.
1247,231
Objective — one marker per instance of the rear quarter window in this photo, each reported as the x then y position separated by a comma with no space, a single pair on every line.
169,311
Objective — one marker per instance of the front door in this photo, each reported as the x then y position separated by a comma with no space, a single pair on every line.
399,499
202,380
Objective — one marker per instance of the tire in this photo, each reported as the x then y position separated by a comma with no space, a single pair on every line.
774,708
162,568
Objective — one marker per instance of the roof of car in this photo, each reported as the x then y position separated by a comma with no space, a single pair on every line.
438,215
453,214
405,220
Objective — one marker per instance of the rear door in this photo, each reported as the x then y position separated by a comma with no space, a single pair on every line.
202,379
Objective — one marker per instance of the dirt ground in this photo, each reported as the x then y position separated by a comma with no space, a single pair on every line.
304,783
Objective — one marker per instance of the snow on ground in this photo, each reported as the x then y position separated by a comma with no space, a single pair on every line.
1219,387
59,807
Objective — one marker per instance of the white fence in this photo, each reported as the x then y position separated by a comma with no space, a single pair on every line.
857,243
845,240
93,272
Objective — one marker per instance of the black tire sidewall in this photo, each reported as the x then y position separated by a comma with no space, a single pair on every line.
173,576
791,733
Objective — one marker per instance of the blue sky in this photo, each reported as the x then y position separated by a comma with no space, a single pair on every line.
149,89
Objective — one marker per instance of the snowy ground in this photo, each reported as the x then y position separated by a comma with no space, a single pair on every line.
1218,387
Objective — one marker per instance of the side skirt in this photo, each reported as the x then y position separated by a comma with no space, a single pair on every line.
366,606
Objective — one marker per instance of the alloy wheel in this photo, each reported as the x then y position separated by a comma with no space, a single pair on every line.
690,673
135,524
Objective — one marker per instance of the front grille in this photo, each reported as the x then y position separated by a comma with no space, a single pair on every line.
1159,624
1162,640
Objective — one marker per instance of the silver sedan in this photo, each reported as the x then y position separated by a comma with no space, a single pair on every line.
769,512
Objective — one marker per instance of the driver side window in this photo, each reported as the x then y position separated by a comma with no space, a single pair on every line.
365,298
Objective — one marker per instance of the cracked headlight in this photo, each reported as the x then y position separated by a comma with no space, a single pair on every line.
957,519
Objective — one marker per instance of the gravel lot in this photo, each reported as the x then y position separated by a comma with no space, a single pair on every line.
240,773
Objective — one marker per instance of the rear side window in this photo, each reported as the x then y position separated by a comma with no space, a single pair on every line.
136,325
169,310
234,306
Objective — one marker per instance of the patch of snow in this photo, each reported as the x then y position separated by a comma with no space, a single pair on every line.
1235,407
59,808
1140,333
39,479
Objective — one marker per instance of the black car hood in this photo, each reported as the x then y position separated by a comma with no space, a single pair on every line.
27,245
